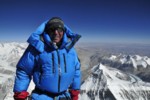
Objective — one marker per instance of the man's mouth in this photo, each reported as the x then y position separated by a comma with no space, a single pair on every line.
56,37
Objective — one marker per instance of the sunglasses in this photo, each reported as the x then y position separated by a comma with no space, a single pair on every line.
52,30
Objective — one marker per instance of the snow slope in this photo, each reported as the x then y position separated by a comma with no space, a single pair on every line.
9,56
104,83
107,83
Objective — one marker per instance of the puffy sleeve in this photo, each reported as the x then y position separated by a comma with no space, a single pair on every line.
24,69
77,76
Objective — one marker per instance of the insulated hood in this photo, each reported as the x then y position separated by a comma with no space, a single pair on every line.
69,38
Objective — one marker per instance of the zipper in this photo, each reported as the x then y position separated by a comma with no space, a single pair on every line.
65,63
40,74
53,63
59,71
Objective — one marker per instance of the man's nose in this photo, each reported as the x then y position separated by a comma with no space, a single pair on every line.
56,32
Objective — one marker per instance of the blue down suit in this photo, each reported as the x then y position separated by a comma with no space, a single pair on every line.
53,69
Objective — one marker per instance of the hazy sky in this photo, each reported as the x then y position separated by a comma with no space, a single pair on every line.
124,21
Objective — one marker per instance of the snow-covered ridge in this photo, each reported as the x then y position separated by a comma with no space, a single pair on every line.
135,64
112,84
10,53
13,48
136,60
9,56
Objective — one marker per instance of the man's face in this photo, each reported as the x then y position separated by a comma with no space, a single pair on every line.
56,34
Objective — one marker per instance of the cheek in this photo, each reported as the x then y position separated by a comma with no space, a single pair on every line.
61,35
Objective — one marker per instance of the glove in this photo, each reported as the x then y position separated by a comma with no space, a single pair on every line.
74,94
21,95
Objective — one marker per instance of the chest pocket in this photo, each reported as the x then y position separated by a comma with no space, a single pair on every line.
46,63
70,62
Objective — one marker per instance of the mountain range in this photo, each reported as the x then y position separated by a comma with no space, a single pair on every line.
107,83
111,75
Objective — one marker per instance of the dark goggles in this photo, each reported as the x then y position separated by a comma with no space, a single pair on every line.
52,30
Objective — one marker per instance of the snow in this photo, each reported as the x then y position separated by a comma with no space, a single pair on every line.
136,60
9,56
10,48
123,86
116,85
137,57
147,60
134,63
31,86
113,57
